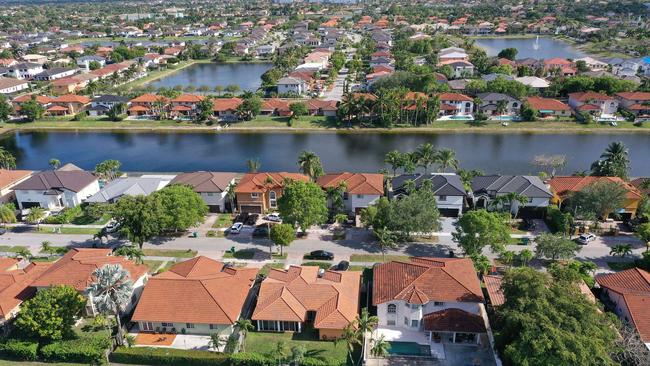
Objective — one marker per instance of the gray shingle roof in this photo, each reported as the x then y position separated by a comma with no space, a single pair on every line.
130,186
49,180
442,184
527,185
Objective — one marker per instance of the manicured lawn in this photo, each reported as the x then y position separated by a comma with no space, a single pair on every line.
267,267
620,266
377,258
240,254
11,249
175,253
223,220
153,265
265,343
68,230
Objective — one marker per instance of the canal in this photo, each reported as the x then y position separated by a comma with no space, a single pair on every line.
246,75
537,48
172,152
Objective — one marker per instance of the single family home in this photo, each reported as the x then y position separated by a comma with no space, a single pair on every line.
488,187
56,189
360,190
259,192
447,187
211,186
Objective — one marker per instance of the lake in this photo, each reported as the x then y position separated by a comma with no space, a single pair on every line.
174,152
246,75
548,47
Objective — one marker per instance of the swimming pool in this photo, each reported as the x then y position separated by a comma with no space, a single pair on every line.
409,349
506,118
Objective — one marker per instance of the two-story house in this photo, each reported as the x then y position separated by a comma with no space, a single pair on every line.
148,105
186,104
455,104
24,70
599,104
292,85
101,104
494,104
447,187
430,301
637,103
259,192
211,186
56,189
360,190
68,104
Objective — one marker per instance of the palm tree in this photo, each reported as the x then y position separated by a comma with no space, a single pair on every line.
231,195
55,163
526,256
46,247
35,215
23,253
111,292
7,213
365,324
216,341
502,106
245,326
616,156
513,200
351,339
426,155
310,164
507,257
395,159
7,159
380,347
385,239
446,158
133,253
253,165
621,249
298,354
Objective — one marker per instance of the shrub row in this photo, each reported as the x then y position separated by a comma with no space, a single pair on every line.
19,350
89,350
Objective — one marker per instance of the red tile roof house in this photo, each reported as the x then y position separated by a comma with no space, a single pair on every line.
636,102
43,100
361,189
566,67
454,104
198,296
629,291
548,107
598,104
430,301
259,192
186,105
68,104
225,109
76,269
290,299
147,105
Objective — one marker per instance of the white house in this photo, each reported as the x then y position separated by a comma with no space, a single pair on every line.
600,104
430,301
456,104
54,74
592,63
56,189
212,186
292,85
10,86
85,61
129,186
361,189
447,187
24,70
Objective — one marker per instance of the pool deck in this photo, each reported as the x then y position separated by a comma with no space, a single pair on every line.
396,334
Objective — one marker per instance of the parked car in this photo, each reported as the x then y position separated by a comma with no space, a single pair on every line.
261,231
584,239
241,217
321,254
251,219
236,228
343,266
275,217
3,231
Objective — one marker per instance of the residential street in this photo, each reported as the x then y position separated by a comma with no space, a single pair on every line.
336,93
357,241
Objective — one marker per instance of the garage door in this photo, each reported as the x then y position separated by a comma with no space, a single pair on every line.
251,209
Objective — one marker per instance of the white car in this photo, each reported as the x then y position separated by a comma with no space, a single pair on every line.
275,217
236,228
584,239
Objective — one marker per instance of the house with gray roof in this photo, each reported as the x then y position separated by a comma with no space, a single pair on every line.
56,189
490,102
486,188
447,187
211,186
129,186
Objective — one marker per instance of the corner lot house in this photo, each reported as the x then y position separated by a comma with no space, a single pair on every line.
15,287
361,189
629,291
8,180
290,299
198,296
259,192
429,301
447,187
212,186
76,269
56,189
487,188
130,186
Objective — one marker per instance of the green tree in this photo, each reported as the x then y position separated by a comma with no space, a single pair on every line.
108,169
298,109
250,107
32,110
133,253
182,207
303,204
482,264
621,250
395,159
216,341
50,315
139,217
525,256
116,112
55,163
111,293
7,213
205,109
598,199
6,109
245,326
380,347
94,65
282,235
253,165
425,155
476,229
35,215
643,233
508,53
555,247
446,158
512,201
310,164
298,354
385,239
613,162
7,159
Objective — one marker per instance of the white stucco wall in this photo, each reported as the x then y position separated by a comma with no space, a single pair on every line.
404,311
450,202
200,329
364,200
214,199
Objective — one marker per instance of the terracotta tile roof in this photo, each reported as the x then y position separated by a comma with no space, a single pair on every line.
494,291
634,286
57,108
287,295
583,97
638,182
15,284
75,268
275,103
639,107
454,320
563,186
71,98
440,279
41,99
326,105
200,290
188,98
634,95
148,98
261,182
226,104
557,61
540,103
356,183
181,108
139,108
588,107
205,181
10,177
456,97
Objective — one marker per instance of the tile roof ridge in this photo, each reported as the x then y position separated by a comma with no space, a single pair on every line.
216,302
460,283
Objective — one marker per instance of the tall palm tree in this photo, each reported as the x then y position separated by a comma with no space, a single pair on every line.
111,292
617,154
426,155
245,326
395,159
310,164
351,339
365,324
513,200
231,195
253,165
55,163
133,253
446,158
380,347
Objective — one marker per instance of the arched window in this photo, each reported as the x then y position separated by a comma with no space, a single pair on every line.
392,308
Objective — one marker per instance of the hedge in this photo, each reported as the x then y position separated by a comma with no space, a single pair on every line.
324,362
167,357
88,350
250,359
19,350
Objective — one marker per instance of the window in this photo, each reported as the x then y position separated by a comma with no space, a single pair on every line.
255,195
214,326
210,194
167,324
345,196
147,326
438,303
515,105
359,196
406,321
392,308
390,322
189,325
407,305
273,199
415,323
442,198
415,307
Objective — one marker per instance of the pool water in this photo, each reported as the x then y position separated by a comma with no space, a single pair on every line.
506,118
409,349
